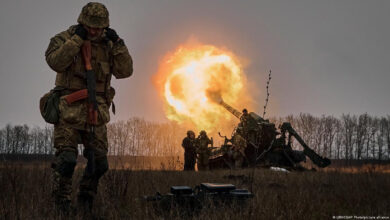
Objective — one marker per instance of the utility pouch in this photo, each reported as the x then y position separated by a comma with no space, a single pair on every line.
110,95
103,116
110,99
48,105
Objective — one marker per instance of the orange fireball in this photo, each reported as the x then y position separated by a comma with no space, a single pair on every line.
186,77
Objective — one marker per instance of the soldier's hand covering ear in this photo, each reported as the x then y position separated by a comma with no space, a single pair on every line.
81,31
112,35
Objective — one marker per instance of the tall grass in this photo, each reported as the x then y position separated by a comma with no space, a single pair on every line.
25,193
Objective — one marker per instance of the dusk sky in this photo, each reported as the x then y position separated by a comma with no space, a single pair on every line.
327,57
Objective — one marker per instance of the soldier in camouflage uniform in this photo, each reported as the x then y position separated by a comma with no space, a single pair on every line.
189,146
203,150
238,146
110,56
249,126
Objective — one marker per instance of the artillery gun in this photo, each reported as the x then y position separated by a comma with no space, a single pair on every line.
257,142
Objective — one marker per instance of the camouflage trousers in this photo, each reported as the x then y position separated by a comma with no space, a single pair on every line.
66,140
238,159
251,136
203,161
189,161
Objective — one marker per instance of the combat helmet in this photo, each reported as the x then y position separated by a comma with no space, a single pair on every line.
94,15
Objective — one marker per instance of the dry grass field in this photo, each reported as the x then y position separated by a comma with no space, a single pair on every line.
25,193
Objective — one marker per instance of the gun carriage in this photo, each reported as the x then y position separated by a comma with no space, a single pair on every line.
262,144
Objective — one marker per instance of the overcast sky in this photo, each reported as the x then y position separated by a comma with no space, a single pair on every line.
327,57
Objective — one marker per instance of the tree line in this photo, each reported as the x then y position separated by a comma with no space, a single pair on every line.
346,137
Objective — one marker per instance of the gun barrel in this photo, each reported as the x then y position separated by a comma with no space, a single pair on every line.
230,109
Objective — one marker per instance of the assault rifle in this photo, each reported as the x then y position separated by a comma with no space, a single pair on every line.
90,93
92,105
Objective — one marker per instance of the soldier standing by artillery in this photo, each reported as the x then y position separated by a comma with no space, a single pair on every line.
238,146
189,146
203,150
249,126
250,130
108,55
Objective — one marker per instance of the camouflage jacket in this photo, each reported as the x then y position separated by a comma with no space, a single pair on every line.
189,146
63,55
239,143
248,123
202,144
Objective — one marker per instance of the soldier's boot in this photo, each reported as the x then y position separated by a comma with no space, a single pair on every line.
89,184
85,202
62,191
63,169
87,192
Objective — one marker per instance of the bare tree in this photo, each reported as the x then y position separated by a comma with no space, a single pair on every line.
381,137
349,124
330,129
361,134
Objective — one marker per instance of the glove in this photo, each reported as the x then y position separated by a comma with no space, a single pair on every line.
112,35
81,32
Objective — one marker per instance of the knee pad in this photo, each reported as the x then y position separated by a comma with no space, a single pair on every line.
66,163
